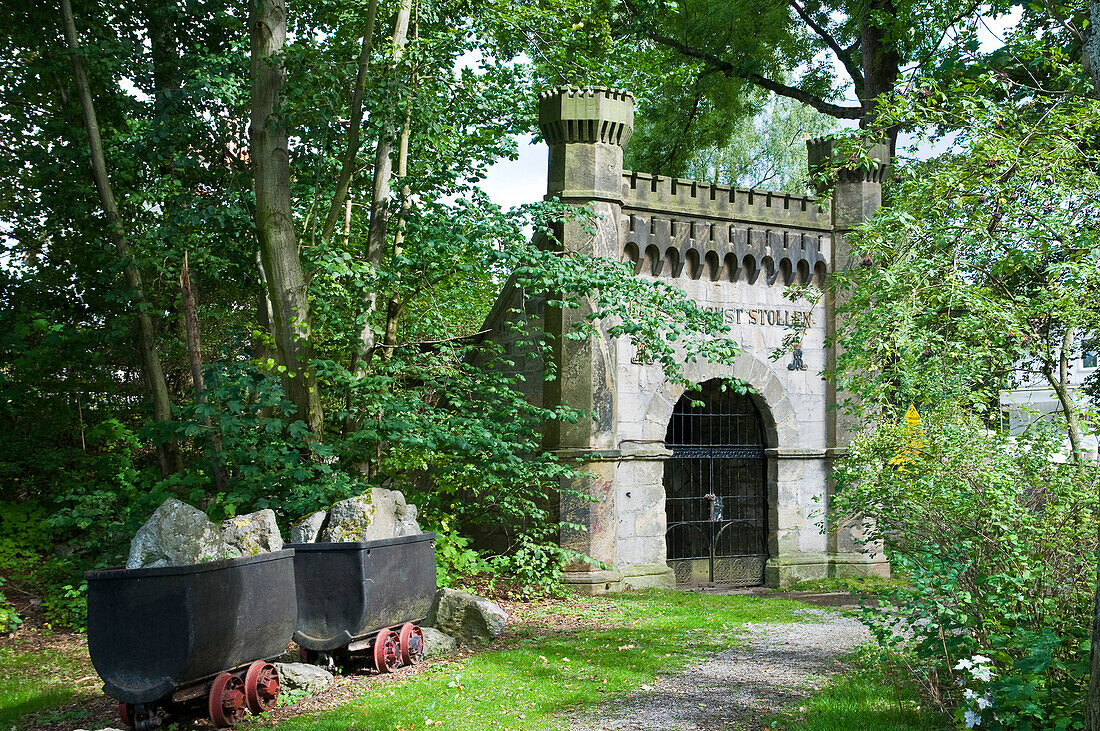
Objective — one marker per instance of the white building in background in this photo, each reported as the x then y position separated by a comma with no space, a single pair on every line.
1033,399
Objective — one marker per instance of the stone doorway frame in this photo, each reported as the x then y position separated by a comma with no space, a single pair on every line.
780,423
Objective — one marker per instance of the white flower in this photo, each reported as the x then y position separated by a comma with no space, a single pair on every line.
982,673
981,659
964,664
969,695
972,719
985,701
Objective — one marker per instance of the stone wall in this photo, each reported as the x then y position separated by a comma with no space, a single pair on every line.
732,250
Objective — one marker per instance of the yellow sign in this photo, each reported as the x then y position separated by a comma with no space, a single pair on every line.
913,441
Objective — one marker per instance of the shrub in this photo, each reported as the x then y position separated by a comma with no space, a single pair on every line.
998,538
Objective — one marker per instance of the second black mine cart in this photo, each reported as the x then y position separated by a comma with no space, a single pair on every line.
364,599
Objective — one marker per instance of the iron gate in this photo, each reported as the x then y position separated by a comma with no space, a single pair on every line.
716,490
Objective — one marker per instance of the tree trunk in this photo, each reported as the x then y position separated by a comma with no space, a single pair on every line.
1060,385
881,63
1091,58
274,217
194,355
355,124
383,169
394,306
168,454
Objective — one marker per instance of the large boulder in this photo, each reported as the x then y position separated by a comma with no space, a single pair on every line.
374,515
467,618
176,535
302,676
436,642
308,528
252,534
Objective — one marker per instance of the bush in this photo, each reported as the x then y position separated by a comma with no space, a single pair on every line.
998,539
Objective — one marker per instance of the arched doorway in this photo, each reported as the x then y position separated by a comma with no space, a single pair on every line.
716,497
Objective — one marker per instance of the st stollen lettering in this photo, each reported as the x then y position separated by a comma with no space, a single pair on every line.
768,316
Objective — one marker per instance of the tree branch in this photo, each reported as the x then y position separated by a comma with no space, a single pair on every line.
843,54
733,71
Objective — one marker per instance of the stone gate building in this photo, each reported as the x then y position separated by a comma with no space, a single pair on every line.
733,492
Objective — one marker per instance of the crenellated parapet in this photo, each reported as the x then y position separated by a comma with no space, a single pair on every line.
723,251
662,194
594,114
685,228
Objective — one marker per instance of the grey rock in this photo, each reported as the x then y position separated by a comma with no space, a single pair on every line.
176,534
302,676
436,642
405,515
374,515
308,528
469,619
252,534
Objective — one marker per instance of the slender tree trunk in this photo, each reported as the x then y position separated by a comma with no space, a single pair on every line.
194,354
1091,62
393,307
1060,385
168,454
287,286
383,169
355,124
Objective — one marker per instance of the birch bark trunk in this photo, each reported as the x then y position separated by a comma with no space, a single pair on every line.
383,170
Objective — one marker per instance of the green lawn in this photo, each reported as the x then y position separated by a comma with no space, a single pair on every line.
869,697
563,657
37,680
526,686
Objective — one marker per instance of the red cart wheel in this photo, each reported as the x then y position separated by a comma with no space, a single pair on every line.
126,714
226,702
261,686
412,644
387,651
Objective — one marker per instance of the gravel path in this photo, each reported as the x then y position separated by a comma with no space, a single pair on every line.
778,664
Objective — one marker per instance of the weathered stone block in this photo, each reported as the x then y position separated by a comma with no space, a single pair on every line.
176,534
467,618
374,515
308,528
252,534
302,676
649,576
437,642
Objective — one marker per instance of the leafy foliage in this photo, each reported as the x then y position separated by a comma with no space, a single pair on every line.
969,281
994,537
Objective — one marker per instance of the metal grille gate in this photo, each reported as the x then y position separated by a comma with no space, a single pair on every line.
716,490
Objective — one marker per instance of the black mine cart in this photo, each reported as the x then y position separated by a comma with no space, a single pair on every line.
165,639
364,599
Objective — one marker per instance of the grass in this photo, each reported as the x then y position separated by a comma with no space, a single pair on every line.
872,696
855,585
561,660
527,685
37,680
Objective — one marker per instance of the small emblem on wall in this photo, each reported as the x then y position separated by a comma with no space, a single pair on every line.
796,363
